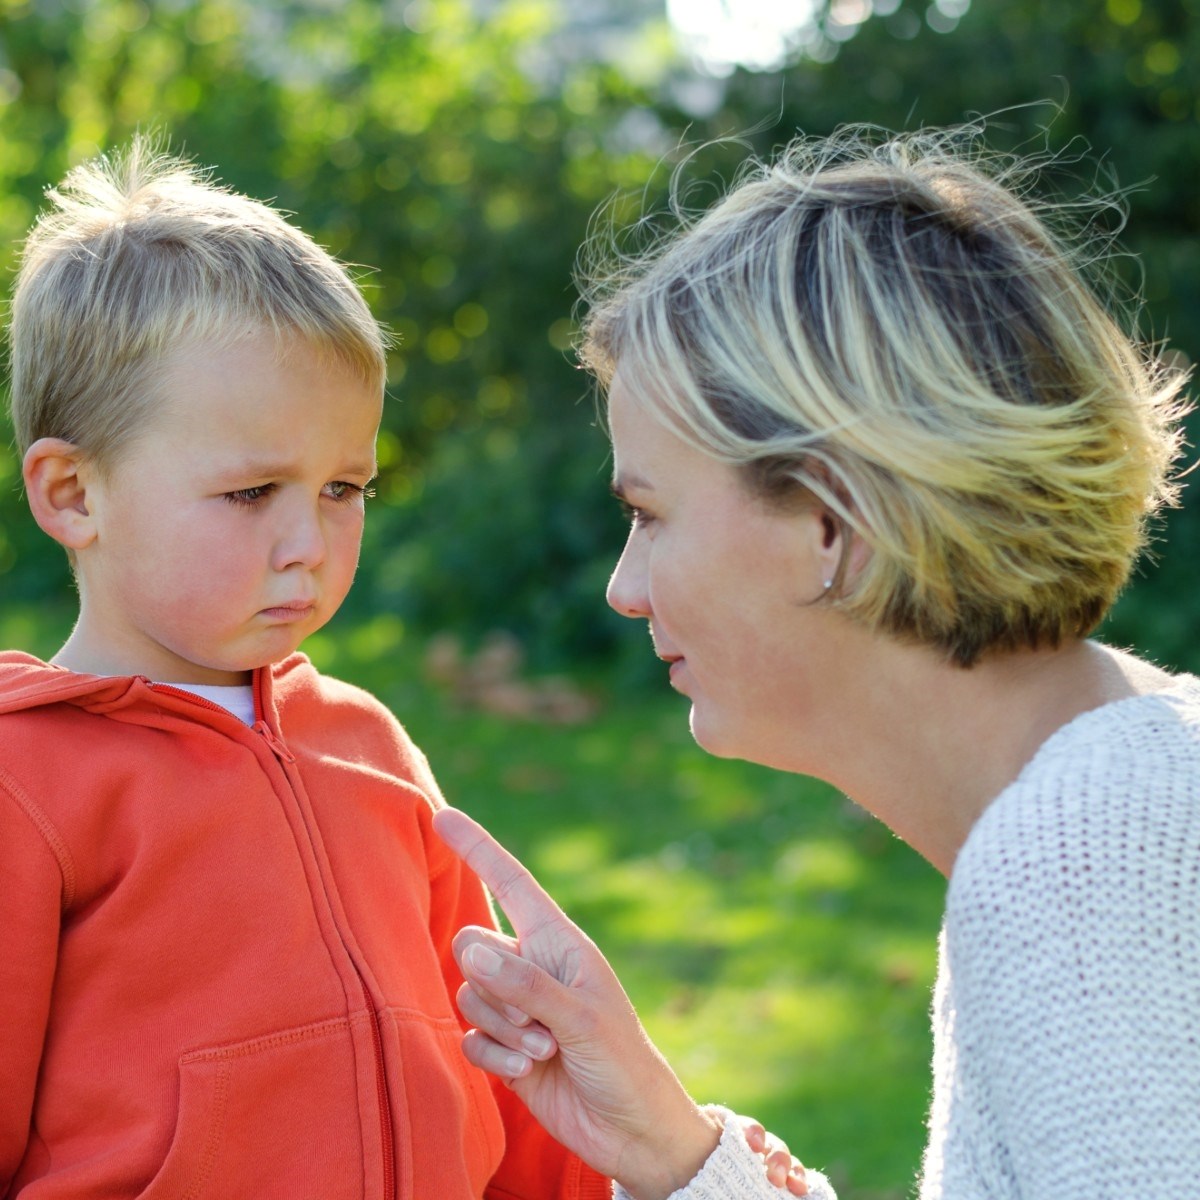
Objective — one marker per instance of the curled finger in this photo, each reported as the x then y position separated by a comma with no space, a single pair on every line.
495,1058
483,962
782,1168
511,984
530,1039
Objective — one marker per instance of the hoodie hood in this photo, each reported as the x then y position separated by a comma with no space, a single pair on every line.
27,682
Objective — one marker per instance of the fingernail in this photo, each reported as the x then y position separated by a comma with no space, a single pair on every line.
482,960
516,1064
536,1045
515,1015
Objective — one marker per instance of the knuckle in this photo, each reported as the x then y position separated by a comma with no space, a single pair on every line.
506,881
474,1046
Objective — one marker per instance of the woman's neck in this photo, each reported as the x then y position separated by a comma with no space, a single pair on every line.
929,745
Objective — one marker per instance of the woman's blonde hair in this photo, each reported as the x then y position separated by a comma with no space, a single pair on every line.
141,254
886,324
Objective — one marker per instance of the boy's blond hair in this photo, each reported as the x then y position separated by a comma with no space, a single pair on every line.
887,326
140,255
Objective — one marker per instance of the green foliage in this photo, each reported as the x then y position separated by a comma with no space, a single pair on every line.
429,151
460,150
461,160
779,944
780,948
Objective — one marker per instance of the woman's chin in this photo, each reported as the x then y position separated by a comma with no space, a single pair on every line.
710,736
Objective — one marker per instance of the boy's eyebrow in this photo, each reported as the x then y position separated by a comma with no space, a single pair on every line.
262,468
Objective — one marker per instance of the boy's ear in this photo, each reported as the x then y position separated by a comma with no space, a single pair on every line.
56,486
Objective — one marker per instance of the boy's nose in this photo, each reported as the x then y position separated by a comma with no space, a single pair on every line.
627,591
301,543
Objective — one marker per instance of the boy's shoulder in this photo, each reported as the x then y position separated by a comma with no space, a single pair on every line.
296,681
337,718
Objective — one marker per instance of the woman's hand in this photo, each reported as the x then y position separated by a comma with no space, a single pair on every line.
782,1167
590,1076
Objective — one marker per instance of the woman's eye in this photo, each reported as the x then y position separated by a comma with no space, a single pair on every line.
637,517
250,497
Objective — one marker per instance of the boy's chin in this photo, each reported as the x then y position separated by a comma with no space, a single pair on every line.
228,665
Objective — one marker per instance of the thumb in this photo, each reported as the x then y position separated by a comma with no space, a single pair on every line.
523,985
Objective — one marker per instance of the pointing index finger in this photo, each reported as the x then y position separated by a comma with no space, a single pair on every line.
522,898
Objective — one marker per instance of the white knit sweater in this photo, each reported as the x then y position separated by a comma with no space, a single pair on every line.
1067,1007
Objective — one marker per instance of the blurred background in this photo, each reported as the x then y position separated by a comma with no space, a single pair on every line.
779,944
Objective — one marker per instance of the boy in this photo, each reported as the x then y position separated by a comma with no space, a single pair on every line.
225,925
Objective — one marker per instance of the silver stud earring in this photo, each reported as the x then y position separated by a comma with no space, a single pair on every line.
828,584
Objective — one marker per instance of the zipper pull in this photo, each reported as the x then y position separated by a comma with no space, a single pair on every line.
280,751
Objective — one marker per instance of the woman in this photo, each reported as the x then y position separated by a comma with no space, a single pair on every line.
888,462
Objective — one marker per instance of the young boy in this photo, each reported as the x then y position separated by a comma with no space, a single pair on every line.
225,925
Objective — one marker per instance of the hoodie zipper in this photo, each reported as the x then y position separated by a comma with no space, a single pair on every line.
385,1103
281,752
284,755
276,747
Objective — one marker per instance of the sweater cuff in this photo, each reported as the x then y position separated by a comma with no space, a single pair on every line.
735,1172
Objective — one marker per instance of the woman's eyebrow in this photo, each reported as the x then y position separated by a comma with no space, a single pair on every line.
621,485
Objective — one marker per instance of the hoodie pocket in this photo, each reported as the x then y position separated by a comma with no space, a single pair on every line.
275,1118
455,1132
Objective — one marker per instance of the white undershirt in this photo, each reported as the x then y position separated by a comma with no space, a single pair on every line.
237,698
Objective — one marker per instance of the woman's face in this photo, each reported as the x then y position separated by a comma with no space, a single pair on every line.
725,581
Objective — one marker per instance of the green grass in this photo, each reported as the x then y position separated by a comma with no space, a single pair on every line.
778,943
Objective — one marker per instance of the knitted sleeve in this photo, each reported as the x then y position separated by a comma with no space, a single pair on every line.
1069,1061
734,1172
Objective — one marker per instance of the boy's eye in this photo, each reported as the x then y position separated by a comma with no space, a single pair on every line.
339,489
251,496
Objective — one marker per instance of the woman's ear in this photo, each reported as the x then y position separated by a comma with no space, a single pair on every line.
840,551
841,548
56,476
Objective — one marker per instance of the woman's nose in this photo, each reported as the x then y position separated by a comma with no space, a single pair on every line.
628,592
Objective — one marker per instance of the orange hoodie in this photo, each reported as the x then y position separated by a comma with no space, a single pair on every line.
225,965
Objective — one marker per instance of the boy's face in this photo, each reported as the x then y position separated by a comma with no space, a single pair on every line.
229,530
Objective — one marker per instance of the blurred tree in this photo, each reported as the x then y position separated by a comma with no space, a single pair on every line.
458,149
453,155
